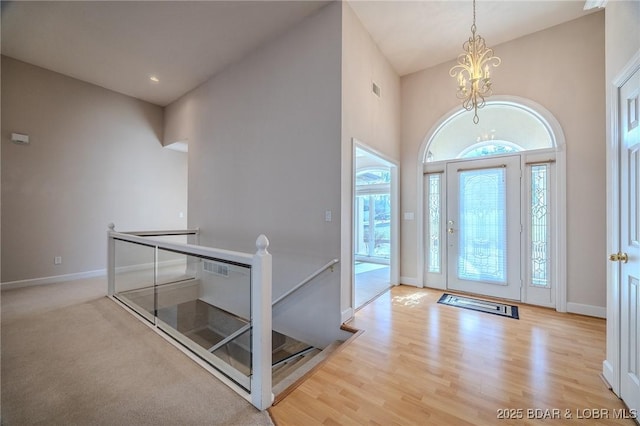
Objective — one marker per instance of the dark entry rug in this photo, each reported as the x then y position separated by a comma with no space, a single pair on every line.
495,308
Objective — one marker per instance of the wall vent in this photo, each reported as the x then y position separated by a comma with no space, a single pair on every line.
216,268
376,89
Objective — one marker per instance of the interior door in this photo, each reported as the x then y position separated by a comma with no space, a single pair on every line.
629,255
483,226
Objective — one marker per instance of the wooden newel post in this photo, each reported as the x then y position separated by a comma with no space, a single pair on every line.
261,272
111,261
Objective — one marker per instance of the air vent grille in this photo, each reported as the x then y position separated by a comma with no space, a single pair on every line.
214,268
376,89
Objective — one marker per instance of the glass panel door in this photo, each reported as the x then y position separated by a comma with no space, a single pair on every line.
483,227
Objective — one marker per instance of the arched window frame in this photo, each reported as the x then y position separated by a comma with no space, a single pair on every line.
556,154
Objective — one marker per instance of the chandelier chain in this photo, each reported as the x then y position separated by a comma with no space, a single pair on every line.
474,16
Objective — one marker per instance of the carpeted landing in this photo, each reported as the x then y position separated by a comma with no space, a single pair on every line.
95,364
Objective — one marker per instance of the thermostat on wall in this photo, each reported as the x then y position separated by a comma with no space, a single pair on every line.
19,138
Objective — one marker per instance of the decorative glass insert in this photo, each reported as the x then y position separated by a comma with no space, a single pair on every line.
483,225
484,149
434,211
634,189
539,214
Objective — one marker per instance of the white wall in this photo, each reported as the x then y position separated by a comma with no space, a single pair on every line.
622,39
373,121
94,157
264,157
561,68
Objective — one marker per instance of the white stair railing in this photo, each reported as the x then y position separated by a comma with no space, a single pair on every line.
260,264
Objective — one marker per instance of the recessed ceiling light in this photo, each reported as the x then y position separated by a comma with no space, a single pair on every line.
154,79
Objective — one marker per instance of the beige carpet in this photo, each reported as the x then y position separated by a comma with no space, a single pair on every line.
92,363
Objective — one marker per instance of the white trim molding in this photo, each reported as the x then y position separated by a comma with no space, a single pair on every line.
588,310
409,281
394,192
10,285
346,315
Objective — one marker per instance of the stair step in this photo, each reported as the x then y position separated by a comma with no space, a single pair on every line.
288,376
284,370
289,347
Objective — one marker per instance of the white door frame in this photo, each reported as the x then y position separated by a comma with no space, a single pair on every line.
611,365
559,201
394,261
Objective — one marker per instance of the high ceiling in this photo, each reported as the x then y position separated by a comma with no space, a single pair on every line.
415,35
119,45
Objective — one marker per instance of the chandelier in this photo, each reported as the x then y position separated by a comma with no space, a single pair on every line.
472,71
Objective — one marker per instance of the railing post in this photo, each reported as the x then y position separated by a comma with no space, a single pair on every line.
261,272
111,261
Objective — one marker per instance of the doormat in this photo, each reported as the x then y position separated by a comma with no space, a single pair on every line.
480,305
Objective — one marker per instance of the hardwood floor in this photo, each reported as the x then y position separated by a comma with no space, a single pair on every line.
371,283
419,362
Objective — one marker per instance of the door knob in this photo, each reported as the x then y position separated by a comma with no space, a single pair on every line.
450,230
619,257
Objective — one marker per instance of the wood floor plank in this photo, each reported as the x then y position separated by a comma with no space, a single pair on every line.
423,363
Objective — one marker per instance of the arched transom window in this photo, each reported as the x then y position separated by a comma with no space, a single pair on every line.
505,128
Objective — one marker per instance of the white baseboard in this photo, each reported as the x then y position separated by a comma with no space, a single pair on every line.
589,310
9,285
409,281
347,314
608,374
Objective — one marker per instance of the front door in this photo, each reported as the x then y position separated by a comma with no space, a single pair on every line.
483,226
629,255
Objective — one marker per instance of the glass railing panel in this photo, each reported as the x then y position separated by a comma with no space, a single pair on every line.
201,302
237,353
175,267
135,277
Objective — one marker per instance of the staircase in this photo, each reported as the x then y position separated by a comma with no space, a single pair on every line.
208,326
289,375
214,304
